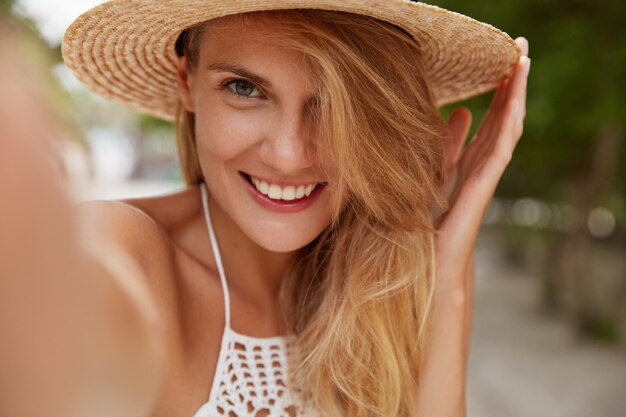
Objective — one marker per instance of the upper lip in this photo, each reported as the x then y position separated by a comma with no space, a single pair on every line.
283,183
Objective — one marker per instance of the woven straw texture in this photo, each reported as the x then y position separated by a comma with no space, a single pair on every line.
124,50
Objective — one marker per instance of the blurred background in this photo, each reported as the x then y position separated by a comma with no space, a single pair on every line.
550,315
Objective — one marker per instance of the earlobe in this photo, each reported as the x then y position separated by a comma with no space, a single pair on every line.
184,85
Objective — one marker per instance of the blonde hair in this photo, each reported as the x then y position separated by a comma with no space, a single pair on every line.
359,297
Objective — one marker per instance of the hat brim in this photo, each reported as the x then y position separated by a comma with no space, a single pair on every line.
124,50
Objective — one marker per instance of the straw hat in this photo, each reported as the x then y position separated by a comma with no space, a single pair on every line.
124,50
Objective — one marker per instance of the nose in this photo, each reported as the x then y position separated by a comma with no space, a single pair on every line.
289,146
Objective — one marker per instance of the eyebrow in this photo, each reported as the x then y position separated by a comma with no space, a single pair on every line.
239,70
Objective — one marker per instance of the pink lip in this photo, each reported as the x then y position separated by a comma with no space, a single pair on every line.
282,206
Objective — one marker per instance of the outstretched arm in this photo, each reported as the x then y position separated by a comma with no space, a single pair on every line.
476,171
79,335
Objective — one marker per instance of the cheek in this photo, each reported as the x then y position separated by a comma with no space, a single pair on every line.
225,132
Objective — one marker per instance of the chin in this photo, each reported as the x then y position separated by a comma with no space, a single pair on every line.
283,239
281,246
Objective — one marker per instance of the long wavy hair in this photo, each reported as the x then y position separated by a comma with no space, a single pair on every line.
359,297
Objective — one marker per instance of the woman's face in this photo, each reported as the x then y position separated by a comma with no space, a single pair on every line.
256,137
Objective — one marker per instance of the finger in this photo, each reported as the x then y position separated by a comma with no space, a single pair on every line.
521,70
459,125
505,143
503,93
521,96
522,42
513,87
491,121
476,186
518,92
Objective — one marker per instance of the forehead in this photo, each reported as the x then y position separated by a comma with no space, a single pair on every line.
256,40
266,21
269,22
261,30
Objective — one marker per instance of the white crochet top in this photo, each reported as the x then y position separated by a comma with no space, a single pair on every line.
251,374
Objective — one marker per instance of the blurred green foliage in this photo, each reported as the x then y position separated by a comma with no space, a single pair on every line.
576,97
41,57
6,5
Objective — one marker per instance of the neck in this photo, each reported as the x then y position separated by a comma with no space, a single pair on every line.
259,278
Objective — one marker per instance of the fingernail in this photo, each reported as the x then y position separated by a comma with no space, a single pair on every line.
524,45
528,66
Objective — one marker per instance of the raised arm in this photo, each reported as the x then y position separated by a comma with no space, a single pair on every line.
476,172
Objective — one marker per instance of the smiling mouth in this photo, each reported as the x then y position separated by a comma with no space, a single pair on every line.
288,193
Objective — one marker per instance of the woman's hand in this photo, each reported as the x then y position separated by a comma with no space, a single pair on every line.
473,176
475,173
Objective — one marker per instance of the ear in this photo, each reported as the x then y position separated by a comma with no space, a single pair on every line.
184,84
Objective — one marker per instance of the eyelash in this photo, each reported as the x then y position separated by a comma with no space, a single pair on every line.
226,83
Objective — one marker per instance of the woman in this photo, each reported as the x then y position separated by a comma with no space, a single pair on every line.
307,269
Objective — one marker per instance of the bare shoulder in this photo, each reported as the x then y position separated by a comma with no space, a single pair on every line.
120,223
144,229
170,211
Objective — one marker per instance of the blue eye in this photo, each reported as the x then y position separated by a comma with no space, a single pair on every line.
243,88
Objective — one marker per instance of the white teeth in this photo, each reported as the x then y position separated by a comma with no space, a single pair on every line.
275,192
264,187
287,193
